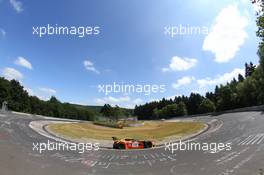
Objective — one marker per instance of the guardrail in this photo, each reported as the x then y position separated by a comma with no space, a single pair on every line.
245,109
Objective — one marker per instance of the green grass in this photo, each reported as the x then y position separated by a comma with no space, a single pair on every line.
154,130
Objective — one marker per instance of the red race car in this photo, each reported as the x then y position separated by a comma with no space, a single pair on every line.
131,144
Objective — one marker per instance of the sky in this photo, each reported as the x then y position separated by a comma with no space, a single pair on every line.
136,42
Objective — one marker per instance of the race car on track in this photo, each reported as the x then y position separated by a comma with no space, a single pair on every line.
131,144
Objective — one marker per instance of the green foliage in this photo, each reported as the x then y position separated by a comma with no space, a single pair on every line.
168,111
259,79
249,69
259,76
114,113
19,100
260,34
193,103
171,110
240,92
207,106
240,78
106,110
225,98
4,92
181,109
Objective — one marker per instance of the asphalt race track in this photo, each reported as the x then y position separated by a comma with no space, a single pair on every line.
245,130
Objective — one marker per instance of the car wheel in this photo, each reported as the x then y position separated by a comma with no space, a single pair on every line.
148,144
121,146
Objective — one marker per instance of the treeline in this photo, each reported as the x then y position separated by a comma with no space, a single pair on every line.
115,113
240,92
19,100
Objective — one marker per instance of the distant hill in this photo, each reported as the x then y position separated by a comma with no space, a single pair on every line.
96,109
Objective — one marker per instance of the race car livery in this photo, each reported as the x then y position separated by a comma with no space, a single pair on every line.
131,144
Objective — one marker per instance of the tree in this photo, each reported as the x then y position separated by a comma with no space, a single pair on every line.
248,92
4,90
258,76
170,111
240,78
260,31
117,112
193,103
211,96
181,109
18,100
206,106
249,69
113,113
156,113
260,34
106,110
36,105
55,107
225,98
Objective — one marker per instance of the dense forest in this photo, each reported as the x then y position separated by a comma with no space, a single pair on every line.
19,100
242,91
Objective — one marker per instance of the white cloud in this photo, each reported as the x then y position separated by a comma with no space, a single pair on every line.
30,91
17,5
257,6
170,97
180,64
138,101
44,93
220,79
156,99
79,103
112,100
245,1
90,66
124,101
23,62
227,35
183,82
41,93
48,90
2,32
11,73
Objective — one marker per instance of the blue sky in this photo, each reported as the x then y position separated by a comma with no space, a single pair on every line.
131,48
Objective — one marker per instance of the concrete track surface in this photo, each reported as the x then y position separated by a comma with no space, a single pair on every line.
245,130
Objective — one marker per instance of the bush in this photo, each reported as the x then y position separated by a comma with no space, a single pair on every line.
206,106
172,110
181,109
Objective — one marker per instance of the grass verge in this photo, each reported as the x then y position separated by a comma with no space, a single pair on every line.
153,130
